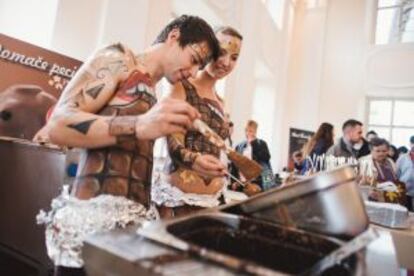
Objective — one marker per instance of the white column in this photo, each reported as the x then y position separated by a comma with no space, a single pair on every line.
342,89
78,27
240,85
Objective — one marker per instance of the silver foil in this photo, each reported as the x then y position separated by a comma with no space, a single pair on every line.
70,220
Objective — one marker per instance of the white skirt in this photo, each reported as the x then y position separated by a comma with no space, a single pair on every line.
165,194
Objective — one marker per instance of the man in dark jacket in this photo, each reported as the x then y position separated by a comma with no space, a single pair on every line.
257,150
352,143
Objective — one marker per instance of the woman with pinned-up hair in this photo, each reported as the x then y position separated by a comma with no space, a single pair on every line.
193,177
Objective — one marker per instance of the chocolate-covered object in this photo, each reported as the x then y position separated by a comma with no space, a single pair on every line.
23,109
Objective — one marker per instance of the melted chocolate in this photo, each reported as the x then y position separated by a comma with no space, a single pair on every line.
278,248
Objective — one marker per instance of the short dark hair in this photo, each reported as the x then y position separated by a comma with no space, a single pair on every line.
371,132
376,142
351,123
402,149
228,31
193,29
297,153
412,139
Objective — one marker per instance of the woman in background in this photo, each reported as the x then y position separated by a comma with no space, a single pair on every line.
393,153
318,144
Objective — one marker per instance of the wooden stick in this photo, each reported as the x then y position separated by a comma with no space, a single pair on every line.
248,167
235,178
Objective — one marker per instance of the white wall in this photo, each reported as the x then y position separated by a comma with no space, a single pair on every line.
389,71
303,79
342,93
28,20
78,27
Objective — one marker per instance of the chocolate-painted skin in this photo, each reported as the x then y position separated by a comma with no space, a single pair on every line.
109,109
99,111
23,109
123,169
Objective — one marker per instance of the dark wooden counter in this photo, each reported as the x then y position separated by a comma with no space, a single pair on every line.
30,176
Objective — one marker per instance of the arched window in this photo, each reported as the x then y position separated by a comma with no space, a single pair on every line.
395,21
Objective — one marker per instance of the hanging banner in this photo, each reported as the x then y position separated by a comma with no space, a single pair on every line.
297,139
32,79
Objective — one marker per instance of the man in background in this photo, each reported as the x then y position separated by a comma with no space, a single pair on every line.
352,143
405,173
256,149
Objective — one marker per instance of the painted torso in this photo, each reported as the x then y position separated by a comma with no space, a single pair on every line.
213,115
123,169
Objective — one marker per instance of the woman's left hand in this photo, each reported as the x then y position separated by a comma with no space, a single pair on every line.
209,166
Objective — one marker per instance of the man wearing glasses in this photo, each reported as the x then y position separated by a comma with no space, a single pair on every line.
109,109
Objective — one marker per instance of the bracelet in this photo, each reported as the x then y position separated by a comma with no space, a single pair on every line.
122,125
123,128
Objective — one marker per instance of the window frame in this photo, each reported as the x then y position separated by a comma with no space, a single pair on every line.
394,38
391,126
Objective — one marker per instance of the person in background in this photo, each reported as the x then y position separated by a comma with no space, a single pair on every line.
321,141
405,173
256,149
393,153
370,135
351,144
383,169
298,162
318,144
402,150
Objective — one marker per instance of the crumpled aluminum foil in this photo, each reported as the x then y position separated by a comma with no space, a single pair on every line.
70,220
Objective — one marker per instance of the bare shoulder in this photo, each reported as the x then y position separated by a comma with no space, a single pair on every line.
97,79
114,59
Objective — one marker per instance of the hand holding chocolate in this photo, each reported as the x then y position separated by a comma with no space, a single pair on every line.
207,132
249,168
251,189
189,181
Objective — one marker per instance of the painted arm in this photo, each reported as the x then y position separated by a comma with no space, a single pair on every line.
75,124
204,164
